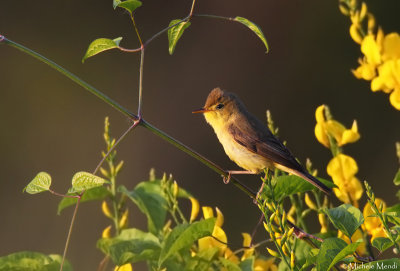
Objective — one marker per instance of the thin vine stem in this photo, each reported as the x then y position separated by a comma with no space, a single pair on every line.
62,195
70,230
214,17
140,102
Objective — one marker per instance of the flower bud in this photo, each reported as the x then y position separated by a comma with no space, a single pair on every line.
273,252
123,222
175,189
310,203
106,210
195,209
106,232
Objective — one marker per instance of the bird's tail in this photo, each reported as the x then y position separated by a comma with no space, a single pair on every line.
314,181
306,176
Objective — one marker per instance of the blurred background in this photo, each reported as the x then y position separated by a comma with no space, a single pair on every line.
48,123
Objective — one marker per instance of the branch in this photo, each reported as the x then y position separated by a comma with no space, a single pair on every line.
129,114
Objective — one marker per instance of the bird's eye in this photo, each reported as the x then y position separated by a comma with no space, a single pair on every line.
219,106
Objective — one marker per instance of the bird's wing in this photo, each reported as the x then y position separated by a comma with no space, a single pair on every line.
264,143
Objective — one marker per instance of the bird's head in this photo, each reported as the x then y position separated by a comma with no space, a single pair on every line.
220,106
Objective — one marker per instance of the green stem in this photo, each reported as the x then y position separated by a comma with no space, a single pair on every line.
214,17
115,205
140,102
126,112
197,156
136,29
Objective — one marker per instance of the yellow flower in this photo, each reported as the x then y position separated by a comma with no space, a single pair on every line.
350,135
261,264
123,222
324,222
342,169
247,243
371,50
309,202
391,46
195,208
125,267
395,98
381,64
354,33
229,255
361,249
106,232
333,128
366,71
218,232
388,78
106,210
373,225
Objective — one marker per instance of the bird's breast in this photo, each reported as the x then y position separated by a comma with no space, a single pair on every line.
238,153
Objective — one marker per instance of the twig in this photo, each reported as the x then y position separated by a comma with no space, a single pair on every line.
70,231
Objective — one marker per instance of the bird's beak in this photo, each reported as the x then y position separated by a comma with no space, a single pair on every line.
201,110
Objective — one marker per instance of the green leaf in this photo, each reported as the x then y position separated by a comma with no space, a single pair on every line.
287,185
247,265
330,248
97,193
301,252
175,33
132,245
389,264
255,28
57,259
182,193
229,265
101,45
348,250
310,259
346,218
116,3
149,199
84,180
396,179
202,260
129,5
40,183
382,243
183,236
393,213
32,261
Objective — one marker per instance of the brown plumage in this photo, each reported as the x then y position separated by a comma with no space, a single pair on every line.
247,141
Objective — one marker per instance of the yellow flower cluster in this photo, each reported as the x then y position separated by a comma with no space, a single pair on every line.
219,240
381,61
342,168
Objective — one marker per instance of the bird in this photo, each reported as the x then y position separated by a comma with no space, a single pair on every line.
247,141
